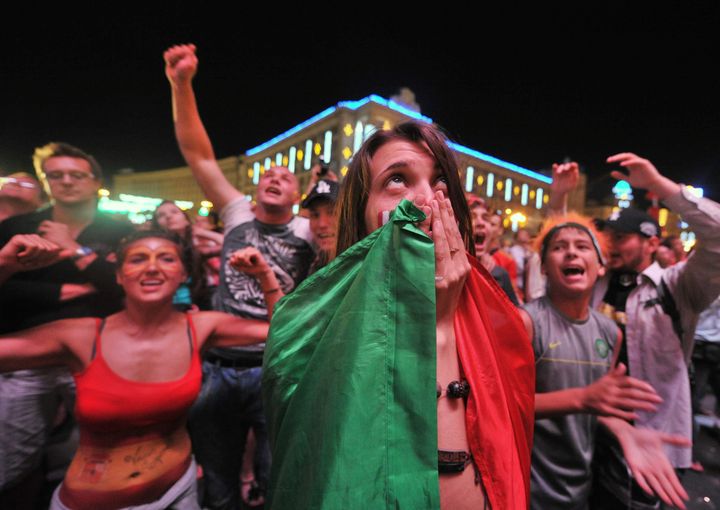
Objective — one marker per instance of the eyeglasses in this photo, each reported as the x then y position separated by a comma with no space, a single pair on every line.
12,181
75,175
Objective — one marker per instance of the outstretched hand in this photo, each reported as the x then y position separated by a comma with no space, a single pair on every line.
249,260
565,177
181,63
645,456
617,394
641,173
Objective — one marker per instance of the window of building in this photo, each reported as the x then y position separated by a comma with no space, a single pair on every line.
469,178
308,155
327,153
291,159
358,140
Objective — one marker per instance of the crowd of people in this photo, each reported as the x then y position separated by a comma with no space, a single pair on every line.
382,349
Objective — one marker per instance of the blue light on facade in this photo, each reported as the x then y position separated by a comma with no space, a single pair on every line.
292,131
491,159
354,105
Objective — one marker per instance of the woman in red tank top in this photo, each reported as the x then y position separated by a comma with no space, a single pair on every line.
137,374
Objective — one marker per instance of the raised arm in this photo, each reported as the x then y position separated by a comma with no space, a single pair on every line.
696,283
251,261
565,178
642,174
66,342
220,329
180,67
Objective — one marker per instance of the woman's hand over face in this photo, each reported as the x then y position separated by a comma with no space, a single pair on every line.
451,263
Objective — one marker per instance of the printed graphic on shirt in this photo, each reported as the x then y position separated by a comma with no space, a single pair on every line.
287,254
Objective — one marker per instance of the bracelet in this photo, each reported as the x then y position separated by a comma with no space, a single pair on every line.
453,461
82,251
456,389
271,291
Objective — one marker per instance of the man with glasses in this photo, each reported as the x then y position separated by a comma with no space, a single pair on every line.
20,193
80,286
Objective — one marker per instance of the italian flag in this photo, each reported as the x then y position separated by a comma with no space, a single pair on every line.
350,389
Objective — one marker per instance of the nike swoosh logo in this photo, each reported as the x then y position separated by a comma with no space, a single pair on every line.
554,344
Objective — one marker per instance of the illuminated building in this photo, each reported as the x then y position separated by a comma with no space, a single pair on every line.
335,134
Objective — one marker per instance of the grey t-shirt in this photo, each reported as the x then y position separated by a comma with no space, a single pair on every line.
568,354
286,248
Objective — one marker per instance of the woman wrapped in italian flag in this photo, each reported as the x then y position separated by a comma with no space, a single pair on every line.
400,376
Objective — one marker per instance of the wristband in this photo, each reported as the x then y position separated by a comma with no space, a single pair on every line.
81,252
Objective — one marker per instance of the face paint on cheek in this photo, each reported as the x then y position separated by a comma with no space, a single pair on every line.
169,262
383,218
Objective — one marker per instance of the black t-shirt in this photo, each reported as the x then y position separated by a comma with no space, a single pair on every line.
619,288
30,298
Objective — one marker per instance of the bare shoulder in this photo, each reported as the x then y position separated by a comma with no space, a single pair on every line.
220,329
205,323
79,336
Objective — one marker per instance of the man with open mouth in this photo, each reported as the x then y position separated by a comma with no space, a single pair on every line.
482,237
230,402
656,308
579,388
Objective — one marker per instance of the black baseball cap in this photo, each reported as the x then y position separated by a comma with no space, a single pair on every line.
325,189
633,221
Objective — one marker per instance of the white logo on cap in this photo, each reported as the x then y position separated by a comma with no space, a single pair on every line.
322,187
648,229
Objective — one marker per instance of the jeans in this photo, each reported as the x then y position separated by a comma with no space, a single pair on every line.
29,401
229,404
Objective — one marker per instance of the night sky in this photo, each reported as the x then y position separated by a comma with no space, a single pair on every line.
530,87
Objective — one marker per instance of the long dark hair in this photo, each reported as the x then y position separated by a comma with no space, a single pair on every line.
356,187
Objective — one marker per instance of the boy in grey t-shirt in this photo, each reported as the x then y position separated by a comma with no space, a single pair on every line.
576,381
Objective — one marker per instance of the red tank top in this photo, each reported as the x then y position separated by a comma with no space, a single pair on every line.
110,408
